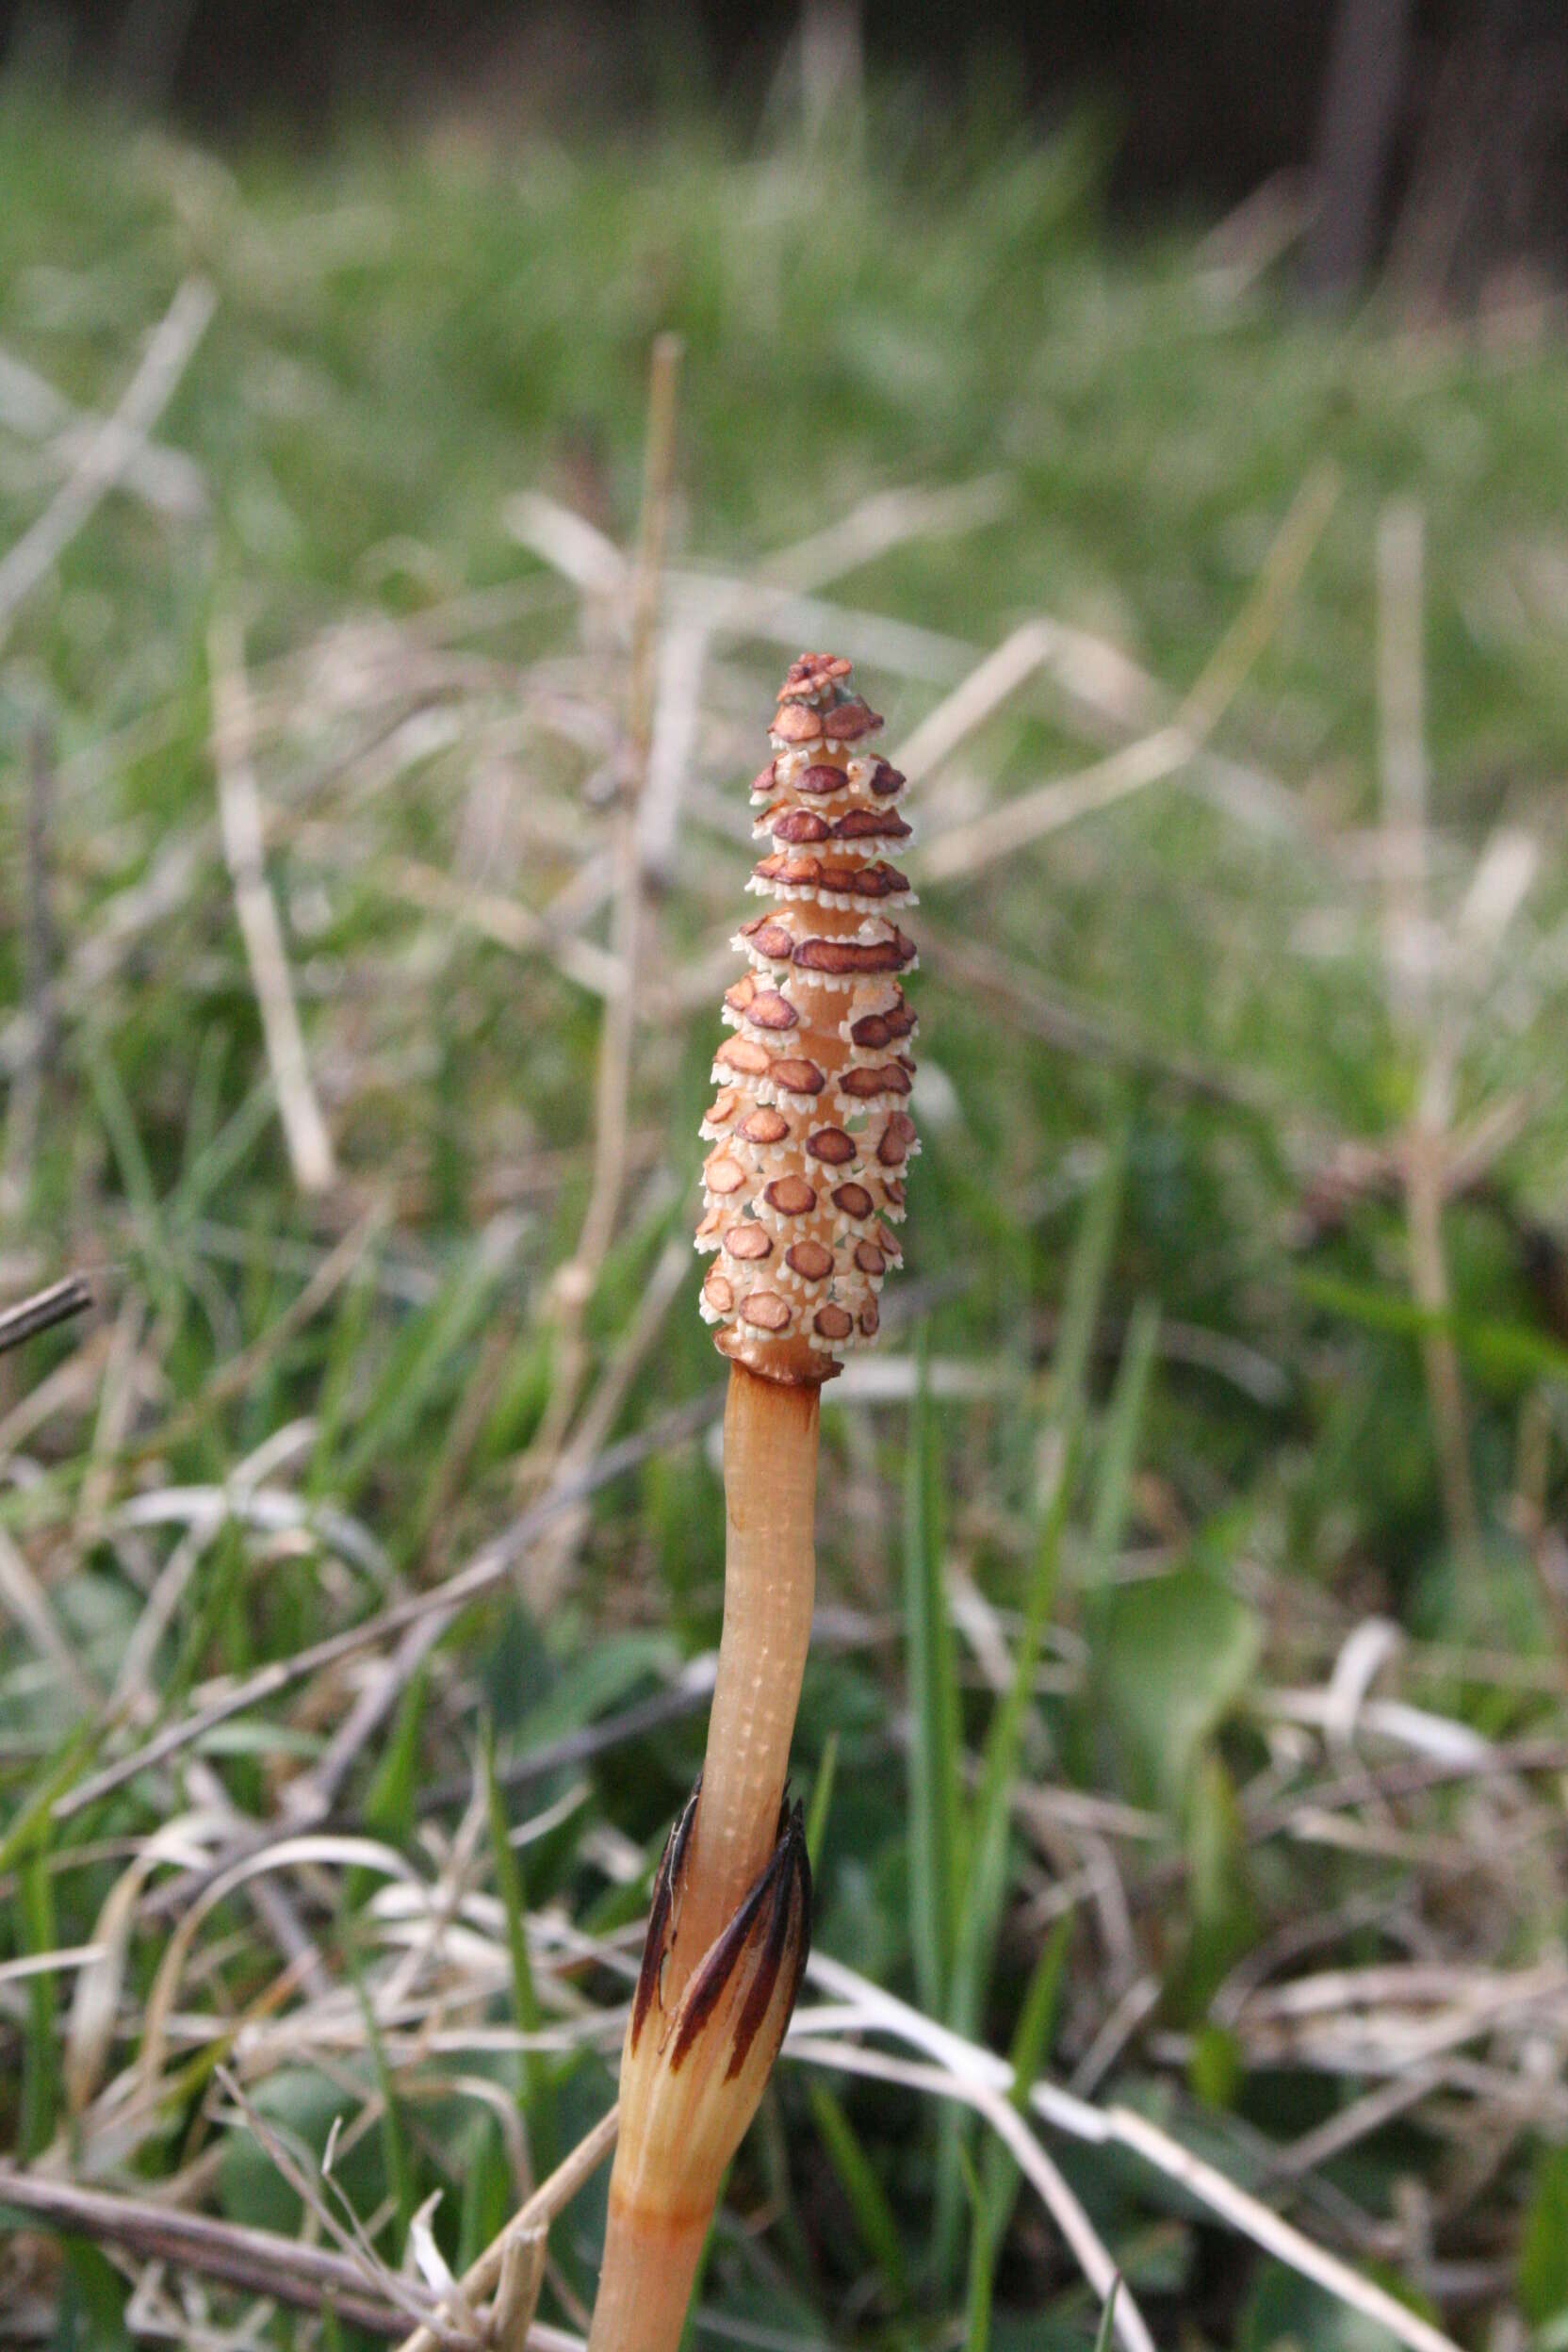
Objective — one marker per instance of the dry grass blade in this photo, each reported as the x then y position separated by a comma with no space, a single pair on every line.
491,1566
575,1281
112,447
886,521
1044,2177
166,480
970,704
485,2276
965,849
873,2010
24,1599
613,1080
310,1148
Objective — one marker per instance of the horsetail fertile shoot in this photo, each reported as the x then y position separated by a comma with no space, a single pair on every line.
803,1190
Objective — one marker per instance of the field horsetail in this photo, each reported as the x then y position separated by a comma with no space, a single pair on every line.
803,1187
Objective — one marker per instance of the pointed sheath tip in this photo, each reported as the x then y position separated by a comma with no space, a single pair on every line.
760,1955
692,2073
662,1918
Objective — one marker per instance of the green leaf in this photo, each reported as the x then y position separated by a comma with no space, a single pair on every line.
1286,2313
1173,1655
1544,2248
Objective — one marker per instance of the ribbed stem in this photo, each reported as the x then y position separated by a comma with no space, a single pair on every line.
646,2283
770,1485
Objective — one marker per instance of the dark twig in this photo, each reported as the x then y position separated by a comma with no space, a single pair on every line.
44,1309
257,2262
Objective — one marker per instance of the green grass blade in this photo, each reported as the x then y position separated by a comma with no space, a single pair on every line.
863,2193
991,1815
390,1800
1083,1298
30,1826
934,1798
417,1363
999,2172
1119,1445
537,2096
394,2139
991,1818
822,1800
40,2036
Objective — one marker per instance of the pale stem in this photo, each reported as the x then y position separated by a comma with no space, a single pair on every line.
770,1484
650,2261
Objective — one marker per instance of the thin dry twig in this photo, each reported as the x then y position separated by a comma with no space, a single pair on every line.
970,704
310,1150
110,450
507,922
1407,949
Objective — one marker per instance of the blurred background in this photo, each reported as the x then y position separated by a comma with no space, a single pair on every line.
427,433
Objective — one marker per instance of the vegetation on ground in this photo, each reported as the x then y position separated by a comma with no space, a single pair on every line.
1187,1712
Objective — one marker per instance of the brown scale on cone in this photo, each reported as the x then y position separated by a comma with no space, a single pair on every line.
811,1131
